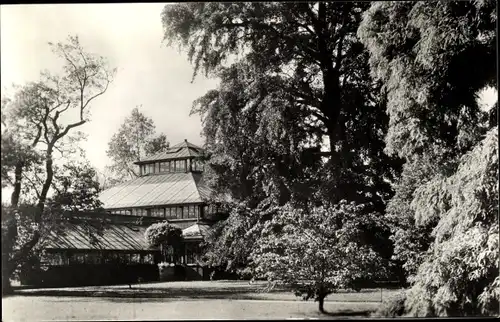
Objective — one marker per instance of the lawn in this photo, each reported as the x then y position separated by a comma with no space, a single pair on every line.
205,290
182,300
46,308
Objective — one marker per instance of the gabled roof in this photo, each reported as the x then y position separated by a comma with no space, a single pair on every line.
195,231
157,190
86,236
111,237
178,151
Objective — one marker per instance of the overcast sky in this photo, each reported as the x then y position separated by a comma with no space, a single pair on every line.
130,36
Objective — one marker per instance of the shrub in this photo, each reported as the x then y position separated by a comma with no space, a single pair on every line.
392,307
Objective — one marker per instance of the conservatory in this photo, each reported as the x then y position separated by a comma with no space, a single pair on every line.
110,247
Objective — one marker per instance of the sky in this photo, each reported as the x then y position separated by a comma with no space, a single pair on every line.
130,36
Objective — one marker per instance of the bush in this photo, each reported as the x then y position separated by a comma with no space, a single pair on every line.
392,307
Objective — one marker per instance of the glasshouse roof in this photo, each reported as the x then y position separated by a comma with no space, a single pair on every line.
179,151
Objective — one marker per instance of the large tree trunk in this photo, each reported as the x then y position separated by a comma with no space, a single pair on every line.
321,302
12,263
6,286
9,266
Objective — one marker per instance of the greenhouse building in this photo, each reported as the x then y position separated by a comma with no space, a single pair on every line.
110,247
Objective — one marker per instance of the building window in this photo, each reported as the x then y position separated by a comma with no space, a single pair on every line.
164,167
157,167
151,168
158,212
147,259
197,165
179,213
197,211
191,212
192,252
172,166
135,258
180,165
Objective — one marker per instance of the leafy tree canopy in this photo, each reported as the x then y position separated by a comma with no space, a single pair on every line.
434,58
39,120
293,76
317,252
134,140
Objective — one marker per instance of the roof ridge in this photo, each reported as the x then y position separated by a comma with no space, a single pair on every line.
196,185
191,150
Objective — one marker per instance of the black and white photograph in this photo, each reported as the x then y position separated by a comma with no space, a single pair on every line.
249,160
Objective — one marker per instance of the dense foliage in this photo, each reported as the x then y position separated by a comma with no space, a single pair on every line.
434,58
162,232
294,81
318,251
165,235
75,192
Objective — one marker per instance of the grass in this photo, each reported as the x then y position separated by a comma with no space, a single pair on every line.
233,290
183,300
23,308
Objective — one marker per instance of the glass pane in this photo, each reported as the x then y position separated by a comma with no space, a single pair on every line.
191,212
135,258
197,211
179,212
172,166
159,212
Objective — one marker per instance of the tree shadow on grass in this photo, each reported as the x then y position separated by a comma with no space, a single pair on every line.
348,313
170,293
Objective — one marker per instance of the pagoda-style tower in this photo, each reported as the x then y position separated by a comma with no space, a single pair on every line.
170,186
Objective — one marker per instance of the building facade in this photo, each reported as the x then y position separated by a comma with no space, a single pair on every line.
110,247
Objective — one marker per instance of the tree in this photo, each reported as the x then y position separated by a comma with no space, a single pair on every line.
33,118
317,252
75,193
76,189
165,235
434,58
134,140
298,77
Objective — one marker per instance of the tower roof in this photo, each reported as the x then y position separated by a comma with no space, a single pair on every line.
182,150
